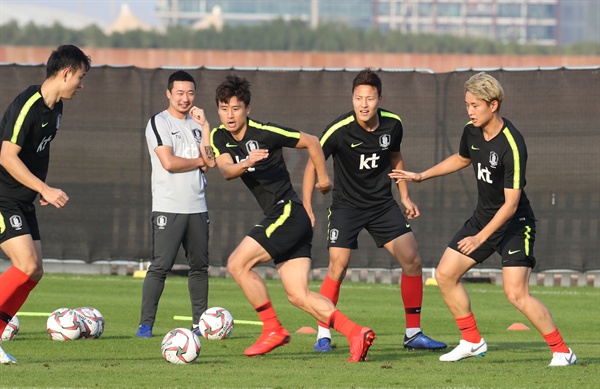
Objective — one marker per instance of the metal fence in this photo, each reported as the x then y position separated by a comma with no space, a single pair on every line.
101,160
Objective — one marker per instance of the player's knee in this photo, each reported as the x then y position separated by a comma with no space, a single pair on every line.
234,268
443,278
298,300
34,270
412,265
336,272
515,297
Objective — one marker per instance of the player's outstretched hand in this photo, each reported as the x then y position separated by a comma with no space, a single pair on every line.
403,175
53,196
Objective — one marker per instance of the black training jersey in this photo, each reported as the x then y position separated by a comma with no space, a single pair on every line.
29,123
361,160
498,164
268,180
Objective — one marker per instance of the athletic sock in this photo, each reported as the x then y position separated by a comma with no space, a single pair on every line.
331,290
16,286
556,342
267,315
411,289
410,332
468,328
342,324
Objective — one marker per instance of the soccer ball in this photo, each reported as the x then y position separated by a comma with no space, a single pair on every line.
216,323
100,320
93,314
64,324
180,346
12,329
89,323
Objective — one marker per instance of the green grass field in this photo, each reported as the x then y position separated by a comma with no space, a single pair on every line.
515,359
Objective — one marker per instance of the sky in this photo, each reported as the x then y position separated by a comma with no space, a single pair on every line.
105,10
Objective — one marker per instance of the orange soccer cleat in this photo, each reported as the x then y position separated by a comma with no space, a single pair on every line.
359,345
268,342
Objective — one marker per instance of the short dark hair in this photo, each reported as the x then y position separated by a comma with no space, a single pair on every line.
233,86
180,75
67,56
367,77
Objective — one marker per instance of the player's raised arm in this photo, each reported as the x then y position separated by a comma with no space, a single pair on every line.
198,115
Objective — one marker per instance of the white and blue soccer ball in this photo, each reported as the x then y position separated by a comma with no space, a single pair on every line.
180,346
89,323
64,324
216,323
101,321
12,329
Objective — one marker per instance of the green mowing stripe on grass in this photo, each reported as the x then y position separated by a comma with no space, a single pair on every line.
120,360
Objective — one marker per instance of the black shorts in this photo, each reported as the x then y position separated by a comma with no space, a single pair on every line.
384,225
514,243
286,233
16,219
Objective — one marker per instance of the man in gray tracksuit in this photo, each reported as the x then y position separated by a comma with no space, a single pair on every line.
179,145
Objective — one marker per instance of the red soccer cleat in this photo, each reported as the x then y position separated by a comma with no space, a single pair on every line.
268,342
359,345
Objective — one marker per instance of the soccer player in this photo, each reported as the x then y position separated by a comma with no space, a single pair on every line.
179,144
28,126
252,150
365,145
503,221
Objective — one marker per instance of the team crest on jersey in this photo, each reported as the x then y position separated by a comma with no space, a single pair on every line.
16,222
333,235
384,141
197,135
161,222
494,159
251,145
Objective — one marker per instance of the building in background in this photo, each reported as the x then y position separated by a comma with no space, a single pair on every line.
546,22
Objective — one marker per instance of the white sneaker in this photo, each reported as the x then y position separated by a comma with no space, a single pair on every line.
6,358
465,350
563,359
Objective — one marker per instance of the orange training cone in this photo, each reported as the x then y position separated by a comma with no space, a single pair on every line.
306,330
517,327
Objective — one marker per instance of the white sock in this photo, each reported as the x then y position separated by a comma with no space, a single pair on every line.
410,332
323,333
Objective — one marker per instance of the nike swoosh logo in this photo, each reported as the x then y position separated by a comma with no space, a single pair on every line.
173,133
353,145
474,148
474,349
231,145
510,252
44,124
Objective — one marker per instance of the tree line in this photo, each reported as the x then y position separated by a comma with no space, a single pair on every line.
278,35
